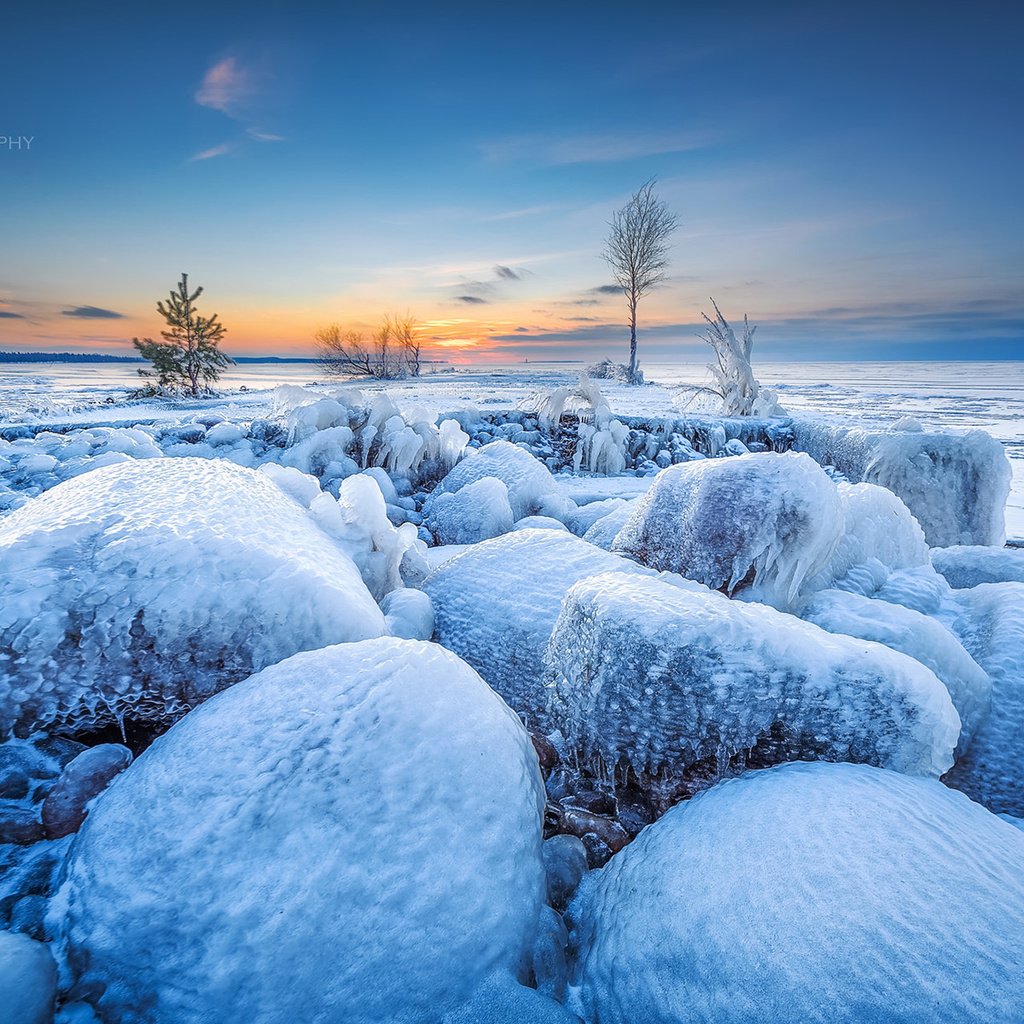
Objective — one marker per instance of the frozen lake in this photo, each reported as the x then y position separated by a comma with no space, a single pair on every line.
944,395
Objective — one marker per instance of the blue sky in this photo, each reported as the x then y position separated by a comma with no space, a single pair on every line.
850,177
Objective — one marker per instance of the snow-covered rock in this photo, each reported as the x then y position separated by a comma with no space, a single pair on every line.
532,490
478,511
604,530
409,614
496,602
540,523
584,517
353,834
138,590
664,678
765,521
989,620
28,980
877,528
919,636
810,892
967,566
955,485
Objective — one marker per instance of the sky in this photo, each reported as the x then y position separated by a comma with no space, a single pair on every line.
849,176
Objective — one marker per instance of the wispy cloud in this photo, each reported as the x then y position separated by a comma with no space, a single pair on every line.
507,273
596,148
473,300
92,313
226,87
7,315
214,151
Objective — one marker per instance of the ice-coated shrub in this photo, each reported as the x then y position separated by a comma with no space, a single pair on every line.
496,602
764,521
353,834
671,679
140,589
809,893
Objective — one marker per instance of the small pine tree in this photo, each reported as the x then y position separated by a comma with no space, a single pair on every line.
188,358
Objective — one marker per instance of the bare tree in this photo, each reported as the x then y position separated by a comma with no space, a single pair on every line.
408,340
392,352
636,249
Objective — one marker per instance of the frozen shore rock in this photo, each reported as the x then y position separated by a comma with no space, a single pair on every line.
532,490
353,834
496,603
28,980
966,567
809,892
665,679
956,485
920,637
989,620
764,521
478,511
138,590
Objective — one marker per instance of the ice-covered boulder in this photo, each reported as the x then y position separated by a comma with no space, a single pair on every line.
28,980
765,521
877,528
989,620
496,602
353,834
809,893
532,490
478,511
603,531
968,566
138,590
955,485
584,517
920,637
675,682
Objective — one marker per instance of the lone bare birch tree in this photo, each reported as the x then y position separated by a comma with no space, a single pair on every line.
392,352
636,249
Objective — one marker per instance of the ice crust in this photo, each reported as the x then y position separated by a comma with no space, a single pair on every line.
809,893
920,637
496,603
989,619
140,589
955,485
661,677
353,834
477,511
765,521
965,567
532,490
28,980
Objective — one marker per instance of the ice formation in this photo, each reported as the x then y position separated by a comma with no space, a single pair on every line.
140,589
989,619
28,980
809,892
764,521
665,678
478,511
965,567
955,485
495,605
584,517
916,635
532,490
603,531
877,527
353,834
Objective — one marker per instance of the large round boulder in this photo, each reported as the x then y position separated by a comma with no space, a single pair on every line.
353,834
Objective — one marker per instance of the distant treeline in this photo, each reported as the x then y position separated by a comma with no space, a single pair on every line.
64,357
